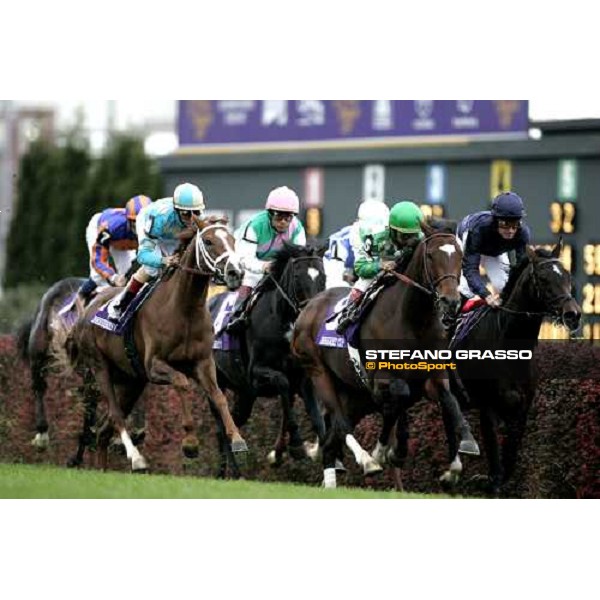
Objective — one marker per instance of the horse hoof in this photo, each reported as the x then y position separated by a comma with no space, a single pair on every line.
297,452
379,454
139,465
41,441
312,450
339,466
73,463
190,451
372,467
449,479
274,459
239,446
469,447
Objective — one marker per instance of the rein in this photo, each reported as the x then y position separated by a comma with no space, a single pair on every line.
556,300
292,302
431,290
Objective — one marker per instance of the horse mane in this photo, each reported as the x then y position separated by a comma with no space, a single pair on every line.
518,269
283,256
442,225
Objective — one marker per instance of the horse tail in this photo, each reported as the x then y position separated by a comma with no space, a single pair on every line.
22,339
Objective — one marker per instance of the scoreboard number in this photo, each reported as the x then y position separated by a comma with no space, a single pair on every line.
591,299
432,210
562,217
591,259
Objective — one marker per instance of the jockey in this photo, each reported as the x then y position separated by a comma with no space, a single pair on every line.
159,225
486,238
383,232
111,239
338,261
259,239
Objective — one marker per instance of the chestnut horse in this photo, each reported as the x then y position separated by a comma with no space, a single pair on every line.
412,307
172,337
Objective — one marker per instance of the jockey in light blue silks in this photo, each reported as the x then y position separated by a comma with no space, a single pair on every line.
158,226
338,261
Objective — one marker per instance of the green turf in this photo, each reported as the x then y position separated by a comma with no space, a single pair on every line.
34,481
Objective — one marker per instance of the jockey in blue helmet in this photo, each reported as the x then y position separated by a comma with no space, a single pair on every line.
486,238
158,228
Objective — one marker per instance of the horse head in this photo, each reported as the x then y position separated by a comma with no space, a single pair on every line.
438,260
215,251
300,273
548,285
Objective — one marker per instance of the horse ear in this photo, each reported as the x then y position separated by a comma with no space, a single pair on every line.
427,229
320,250
558,248
531,253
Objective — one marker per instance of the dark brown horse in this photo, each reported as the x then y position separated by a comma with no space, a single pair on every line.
41,339
173,337
410,308
538,287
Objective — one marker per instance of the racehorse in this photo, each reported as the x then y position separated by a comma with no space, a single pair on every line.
538,287
171,342
263,366
410,308
40,339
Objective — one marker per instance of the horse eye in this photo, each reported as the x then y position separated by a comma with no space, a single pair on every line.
208,243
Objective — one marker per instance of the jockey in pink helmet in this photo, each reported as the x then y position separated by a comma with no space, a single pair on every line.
260,238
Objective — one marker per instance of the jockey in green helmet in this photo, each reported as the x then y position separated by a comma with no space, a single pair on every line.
398,240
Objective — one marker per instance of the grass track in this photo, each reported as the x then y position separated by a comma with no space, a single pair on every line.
34,481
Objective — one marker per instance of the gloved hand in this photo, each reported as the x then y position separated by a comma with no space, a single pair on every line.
267,267
117,280
170,261
493,300
388,265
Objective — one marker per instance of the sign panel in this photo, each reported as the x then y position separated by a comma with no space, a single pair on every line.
374,183
501,177
567,180
435,188
314,187
208,122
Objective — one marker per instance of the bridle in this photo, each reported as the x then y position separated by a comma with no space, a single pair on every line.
430,287
203,258
288,272
558,301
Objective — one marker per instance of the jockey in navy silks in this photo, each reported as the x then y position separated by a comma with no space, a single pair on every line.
486,238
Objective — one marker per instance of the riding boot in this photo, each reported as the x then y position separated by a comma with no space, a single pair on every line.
118,307
239,317
350,312
86,290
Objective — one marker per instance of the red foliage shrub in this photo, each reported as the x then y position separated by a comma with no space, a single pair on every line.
560,457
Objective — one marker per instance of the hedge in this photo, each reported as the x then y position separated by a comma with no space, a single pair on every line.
560,457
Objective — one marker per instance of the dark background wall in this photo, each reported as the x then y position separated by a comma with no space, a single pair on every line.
237,181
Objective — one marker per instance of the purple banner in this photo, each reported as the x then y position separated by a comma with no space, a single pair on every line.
207,122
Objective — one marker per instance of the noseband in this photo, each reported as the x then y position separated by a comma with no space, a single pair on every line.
430,287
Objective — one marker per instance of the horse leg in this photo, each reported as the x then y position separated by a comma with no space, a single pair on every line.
489,427
162,373
390,395
226,456
397,454
206,376
90,403
454,422
39,385
515,431
313,410
116,416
